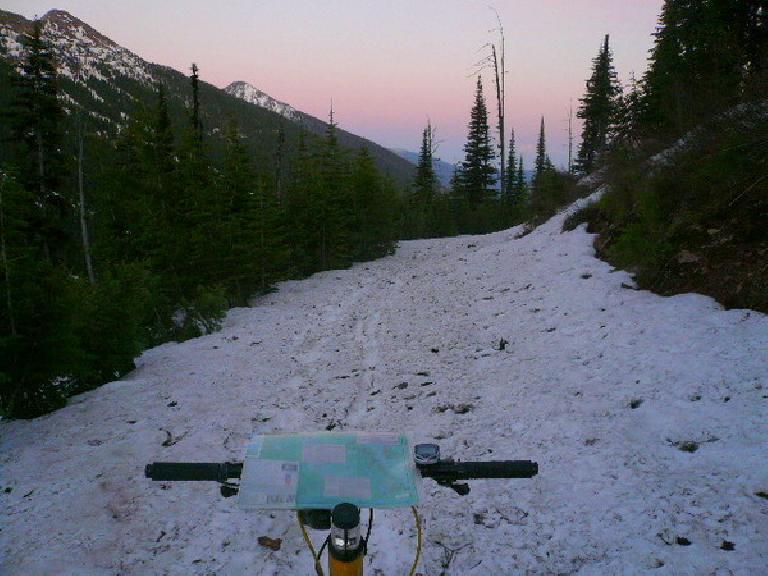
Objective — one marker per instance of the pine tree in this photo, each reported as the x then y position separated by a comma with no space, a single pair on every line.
426,180
333,203
263,241
42,311
542,160
162,145
37,123
165,180
598,108
373,205
520,184
13,203
198,217
511,165
197,124
302,208
702,55
419,214
629,111
478,173
238,179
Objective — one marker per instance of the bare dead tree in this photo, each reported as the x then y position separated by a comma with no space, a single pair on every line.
570,136
500,75
496,61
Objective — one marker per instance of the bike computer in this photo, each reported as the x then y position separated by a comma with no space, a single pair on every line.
426,453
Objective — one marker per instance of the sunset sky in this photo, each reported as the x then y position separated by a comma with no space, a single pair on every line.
387,64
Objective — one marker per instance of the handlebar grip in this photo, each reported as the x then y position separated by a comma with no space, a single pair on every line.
192,471
452,471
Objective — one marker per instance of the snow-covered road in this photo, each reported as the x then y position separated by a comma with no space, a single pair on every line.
647,415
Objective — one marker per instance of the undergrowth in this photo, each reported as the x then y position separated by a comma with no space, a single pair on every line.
695,218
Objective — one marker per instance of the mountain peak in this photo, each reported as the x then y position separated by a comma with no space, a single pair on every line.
82,52
75,29
249,93
61,15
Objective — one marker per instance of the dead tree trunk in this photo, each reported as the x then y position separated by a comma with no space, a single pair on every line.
570,137
500,73
500,105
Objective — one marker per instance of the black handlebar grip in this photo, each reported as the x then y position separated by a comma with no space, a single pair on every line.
453,471
192,471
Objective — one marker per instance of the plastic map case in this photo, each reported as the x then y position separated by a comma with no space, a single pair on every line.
321,470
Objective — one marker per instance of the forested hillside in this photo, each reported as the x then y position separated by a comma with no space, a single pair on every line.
138,204
112,84
115,240
684,151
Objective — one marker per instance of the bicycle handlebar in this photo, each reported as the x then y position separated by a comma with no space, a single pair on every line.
443,471
452,471
193,471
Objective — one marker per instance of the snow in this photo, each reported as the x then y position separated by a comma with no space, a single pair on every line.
81,53
614,492
9,40
249,93
84,54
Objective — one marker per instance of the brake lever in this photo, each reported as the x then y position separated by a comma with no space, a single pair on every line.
461,488
228,489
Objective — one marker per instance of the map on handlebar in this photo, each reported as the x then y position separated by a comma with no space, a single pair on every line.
321,470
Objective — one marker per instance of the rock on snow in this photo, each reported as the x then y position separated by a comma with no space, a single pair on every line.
608,388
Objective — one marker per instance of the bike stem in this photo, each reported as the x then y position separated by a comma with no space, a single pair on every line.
346,547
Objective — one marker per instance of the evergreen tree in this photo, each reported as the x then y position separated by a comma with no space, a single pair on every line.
37,124
179,227
302,207
420,213
521,185
702,54
511,166
542,159
333,204
128,200
263,242
197,124
629,111
478,173
426,180
237,182
198,218
598,108
165,191
373,205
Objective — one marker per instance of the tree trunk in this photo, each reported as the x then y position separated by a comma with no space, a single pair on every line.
42,190
83,222
500,116
4,257
262,261
498,66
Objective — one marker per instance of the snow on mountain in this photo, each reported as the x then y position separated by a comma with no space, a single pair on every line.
81,51
109,81
646,415
249,93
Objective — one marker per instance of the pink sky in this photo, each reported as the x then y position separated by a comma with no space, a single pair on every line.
387,64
